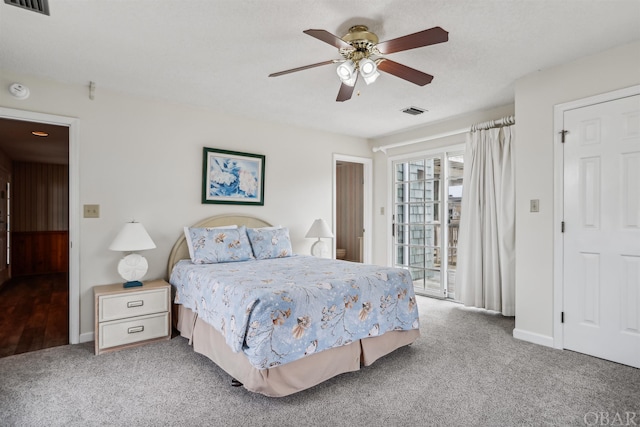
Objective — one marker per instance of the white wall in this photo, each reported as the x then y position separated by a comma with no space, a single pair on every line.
142,159
381,196
535,96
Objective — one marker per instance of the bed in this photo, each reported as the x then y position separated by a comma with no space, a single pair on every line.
250,318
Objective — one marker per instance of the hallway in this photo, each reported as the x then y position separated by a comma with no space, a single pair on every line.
34,313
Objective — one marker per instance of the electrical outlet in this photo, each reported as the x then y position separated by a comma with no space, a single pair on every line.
534,205
92,211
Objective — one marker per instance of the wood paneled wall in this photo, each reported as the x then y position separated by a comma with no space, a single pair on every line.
39,197
39,218
349,209
39,252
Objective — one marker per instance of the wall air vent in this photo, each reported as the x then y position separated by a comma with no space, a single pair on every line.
414,111
40,6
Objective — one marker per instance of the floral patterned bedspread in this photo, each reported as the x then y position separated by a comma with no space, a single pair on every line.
279,310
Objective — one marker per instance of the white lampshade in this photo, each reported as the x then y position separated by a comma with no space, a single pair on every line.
132,237
319,229
133,267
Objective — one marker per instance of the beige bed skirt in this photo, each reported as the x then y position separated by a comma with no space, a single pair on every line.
294,376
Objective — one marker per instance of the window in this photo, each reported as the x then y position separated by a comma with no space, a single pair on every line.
422,242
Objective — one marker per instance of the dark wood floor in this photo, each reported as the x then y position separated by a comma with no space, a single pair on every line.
34,313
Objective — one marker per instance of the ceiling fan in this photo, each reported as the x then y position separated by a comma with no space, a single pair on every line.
361,55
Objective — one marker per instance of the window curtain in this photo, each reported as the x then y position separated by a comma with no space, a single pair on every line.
486,243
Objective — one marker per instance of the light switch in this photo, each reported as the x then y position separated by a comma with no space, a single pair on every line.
534,205
92,211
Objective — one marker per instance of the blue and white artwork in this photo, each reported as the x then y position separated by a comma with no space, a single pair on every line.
233,178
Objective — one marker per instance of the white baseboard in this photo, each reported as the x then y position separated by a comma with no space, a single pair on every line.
539,339
86,337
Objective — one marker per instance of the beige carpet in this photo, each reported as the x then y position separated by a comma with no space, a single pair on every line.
466,369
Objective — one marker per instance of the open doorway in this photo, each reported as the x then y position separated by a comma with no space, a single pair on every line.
352,208
349,210
34,234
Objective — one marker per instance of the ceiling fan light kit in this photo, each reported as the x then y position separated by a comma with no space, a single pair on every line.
368,70
347,72
362,54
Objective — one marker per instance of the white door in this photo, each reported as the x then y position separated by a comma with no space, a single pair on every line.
602,230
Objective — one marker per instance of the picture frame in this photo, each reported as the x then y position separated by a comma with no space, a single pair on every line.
232,177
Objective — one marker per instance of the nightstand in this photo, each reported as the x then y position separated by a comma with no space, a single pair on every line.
127,317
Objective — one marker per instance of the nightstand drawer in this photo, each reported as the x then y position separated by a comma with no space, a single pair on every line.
132,330
120,306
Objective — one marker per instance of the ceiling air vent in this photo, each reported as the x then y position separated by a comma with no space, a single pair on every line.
414,111
40,6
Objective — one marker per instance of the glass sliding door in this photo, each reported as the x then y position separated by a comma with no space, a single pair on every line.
421,240
455,168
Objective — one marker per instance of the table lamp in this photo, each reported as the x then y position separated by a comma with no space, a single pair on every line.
133,237
319,229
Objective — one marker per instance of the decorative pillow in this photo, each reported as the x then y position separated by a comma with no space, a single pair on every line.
270,242
216,245
188,237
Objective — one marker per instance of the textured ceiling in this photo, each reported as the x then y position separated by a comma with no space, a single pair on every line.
218,53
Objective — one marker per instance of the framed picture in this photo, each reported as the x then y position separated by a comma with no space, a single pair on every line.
232,177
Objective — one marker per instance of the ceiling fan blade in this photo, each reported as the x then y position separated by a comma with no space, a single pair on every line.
327,37
421,38
410,74
345,92
306,67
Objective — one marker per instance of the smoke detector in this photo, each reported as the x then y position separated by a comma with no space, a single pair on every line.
19,91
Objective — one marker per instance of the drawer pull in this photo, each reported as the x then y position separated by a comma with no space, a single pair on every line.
132,304
135,329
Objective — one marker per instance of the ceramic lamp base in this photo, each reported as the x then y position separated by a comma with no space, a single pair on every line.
319,249
132,268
